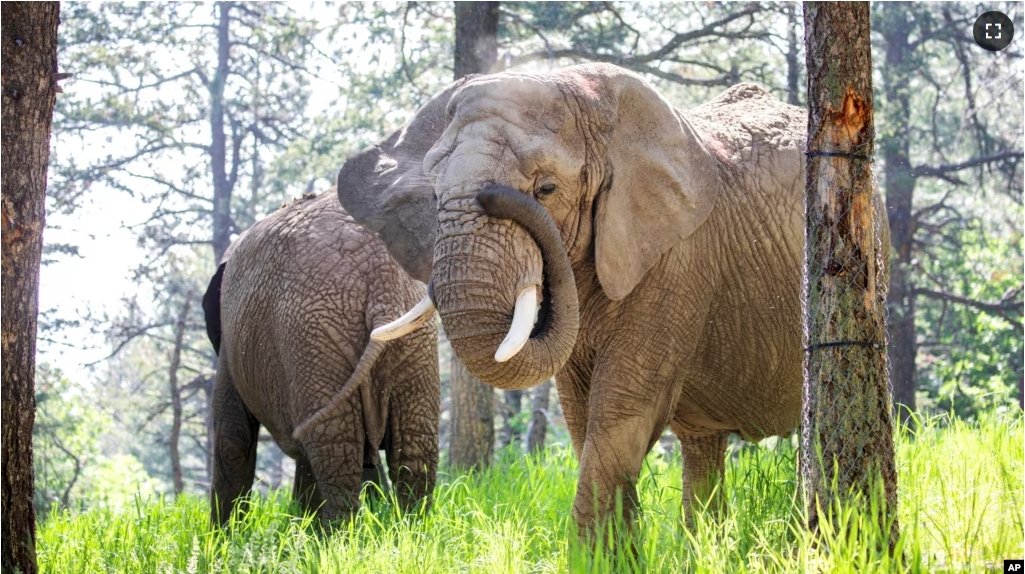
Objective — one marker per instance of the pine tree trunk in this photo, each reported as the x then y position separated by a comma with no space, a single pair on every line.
476,37
176,397
848,421
473,427
473,433
513,406
539,417
793,59
900,190
29,54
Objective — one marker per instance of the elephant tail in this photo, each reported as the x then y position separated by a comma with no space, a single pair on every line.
212,308
359,375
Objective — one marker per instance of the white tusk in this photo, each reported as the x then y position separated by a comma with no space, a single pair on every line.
524,316
411,321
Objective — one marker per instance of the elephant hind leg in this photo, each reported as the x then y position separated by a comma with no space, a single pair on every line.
703,469
234,458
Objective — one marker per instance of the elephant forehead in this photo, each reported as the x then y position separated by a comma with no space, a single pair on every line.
533,104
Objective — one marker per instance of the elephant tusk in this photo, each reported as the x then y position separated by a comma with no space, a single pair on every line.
411,321
524,316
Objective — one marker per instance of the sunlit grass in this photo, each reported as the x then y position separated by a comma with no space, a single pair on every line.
961,504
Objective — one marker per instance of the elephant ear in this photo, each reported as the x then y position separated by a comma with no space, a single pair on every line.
664,183
385,188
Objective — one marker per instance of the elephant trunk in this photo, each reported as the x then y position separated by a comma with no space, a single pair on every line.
482,327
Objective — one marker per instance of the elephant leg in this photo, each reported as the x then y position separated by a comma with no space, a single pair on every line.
623,424
412,445
703,468
305,491
335,452
234,456
572,384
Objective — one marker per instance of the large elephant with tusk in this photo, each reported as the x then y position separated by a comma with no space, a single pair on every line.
574,223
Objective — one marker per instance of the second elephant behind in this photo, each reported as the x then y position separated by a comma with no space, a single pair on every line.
290,312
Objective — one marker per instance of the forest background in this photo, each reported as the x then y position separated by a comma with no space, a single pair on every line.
185,123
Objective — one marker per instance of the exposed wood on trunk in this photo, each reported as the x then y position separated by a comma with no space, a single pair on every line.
847,414
29,54
471,441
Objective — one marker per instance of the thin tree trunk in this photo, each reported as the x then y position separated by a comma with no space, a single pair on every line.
176,397
539,417
218,141
473,427
513,406
900,190
29,54
793,59
222,186
848,421
476,37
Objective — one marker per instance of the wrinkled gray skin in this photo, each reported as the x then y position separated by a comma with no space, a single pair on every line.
299,293
667,247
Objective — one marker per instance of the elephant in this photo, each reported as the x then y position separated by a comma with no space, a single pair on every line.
573,222
289,313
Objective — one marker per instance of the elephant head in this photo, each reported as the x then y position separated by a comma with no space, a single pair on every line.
504,186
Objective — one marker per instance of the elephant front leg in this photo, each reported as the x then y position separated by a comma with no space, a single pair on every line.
623,423
703,468
234,456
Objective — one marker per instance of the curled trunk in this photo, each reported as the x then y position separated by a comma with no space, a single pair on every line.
476,320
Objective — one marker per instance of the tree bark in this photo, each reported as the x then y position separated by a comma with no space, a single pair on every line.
793,59
473,426
513,406
848,436
29,54
539,417
900,190
473,433
176,397
476,37
218,142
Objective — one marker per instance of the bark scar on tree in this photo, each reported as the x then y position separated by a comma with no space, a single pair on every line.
850,122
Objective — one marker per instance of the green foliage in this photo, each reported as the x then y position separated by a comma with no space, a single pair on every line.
960,510
64,438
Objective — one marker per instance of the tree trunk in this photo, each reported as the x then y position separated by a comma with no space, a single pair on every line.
218,142
473,434
476,37
847,413
793,59
176,397
511,409
29,54
539,417
900,189
473,427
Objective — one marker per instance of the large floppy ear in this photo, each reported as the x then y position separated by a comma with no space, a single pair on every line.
385,189
663,187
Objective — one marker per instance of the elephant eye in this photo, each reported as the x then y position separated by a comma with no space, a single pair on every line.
545,190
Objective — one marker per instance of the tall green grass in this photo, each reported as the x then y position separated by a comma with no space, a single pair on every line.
961,504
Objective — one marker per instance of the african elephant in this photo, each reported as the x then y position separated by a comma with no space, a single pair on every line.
574,223
289,313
